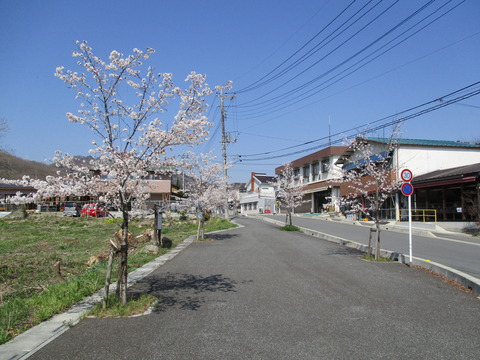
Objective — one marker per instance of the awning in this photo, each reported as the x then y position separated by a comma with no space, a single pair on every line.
444,182
319,189
373,158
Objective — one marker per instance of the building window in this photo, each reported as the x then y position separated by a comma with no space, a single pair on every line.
296,175
325,165
306,174
315,171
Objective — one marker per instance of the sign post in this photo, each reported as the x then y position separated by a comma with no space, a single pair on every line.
157,231
407,190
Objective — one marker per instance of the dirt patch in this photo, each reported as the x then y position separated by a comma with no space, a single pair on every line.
453,283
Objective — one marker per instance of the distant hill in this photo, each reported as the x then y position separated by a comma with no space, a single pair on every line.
13,167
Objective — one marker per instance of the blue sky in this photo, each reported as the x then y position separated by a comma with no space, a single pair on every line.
252,43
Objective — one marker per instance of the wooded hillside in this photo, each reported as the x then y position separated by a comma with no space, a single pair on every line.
13,167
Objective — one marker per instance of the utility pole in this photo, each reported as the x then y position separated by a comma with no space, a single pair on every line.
225,140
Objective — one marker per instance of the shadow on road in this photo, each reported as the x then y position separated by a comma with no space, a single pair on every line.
182,290
222,236
344,251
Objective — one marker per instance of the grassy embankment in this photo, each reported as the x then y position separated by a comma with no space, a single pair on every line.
46,263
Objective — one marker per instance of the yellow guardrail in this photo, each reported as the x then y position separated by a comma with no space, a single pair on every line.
420,213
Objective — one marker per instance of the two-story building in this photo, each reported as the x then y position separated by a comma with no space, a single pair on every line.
428,160
259,195
316,172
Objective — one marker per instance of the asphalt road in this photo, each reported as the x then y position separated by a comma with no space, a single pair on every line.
454,250
259,293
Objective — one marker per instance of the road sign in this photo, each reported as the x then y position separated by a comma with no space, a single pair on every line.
407,189
406,175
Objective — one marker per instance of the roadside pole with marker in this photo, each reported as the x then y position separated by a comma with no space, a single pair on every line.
407,190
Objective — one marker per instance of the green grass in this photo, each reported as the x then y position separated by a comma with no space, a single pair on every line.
31,290
290,228
115,308
380,259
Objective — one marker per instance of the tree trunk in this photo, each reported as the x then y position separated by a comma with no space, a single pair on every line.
123,260
156,238
377,246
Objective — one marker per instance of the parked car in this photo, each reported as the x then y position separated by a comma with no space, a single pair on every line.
71,208
97,210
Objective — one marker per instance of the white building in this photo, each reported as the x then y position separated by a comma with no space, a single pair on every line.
420,157
259,196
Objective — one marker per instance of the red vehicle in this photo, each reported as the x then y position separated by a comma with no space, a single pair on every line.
97,210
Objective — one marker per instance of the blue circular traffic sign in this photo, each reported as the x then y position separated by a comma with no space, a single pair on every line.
407,189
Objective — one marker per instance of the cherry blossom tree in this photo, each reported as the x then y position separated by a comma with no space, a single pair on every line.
290,191
21,198
122,103
52,186
205,190
370,180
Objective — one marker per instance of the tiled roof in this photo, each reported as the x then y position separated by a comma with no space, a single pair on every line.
14,186
159,186
237,186
424,142
264,179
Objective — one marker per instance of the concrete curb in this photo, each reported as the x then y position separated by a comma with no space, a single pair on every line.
453,274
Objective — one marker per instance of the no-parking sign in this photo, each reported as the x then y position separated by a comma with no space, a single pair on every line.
407,189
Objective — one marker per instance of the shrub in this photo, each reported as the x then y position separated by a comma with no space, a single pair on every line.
290,228
472,229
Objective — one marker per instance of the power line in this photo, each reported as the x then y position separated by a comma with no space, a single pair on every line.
328,54
365,81
282,45
251,86
441,100
303,96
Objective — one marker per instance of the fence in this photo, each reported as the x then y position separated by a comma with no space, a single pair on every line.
419,215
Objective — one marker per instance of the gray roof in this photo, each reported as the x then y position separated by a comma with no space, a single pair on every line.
424,142
265,179
14,186
456,172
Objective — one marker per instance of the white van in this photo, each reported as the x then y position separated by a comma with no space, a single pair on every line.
71,208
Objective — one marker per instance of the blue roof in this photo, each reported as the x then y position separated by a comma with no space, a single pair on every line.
422,142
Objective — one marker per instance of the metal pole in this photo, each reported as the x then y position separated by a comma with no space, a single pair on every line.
410,226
